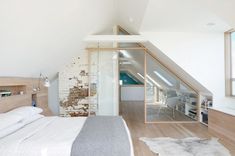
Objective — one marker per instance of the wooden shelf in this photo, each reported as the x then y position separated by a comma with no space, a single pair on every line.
205,102
192,117
191,105
14,89
204,123
12,96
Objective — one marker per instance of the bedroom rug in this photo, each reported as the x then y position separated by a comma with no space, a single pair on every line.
186,147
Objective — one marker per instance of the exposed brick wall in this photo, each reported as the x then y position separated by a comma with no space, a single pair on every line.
73,87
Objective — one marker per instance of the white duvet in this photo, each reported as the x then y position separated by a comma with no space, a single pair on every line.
48,136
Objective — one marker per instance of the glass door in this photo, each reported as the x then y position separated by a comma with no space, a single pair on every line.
103,82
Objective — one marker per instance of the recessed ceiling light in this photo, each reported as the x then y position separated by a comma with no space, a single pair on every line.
210,24
131,20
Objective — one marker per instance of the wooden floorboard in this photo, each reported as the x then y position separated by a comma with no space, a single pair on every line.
133,113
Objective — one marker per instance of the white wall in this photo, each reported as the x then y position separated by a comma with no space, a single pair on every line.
43,36
53,97
132,93
35,33
199,54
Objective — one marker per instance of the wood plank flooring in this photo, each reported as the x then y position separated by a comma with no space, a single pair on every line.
133,113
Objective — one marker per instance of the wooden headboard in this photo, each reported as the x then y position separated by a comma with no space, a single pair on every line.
22,93
9,103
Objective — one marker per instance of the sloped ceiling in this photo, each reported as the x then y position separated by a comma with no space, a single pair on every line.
179,16
130,14
43,36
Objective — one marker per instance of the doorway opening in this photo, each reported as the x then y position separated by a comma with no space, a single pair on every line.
132,84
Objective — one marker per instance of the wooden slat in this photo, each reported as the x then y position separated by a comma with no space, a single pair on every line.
114,49
222,124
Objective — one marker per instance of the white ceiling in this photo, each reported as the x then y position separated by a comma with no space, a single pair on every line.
43,36
181,15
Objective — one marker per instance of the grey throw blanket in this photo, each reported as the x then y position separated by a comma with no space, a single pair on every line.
102,136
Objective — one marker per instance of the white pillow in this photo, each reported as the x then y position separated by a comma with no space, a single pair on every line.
31,119
26,111
6,131
13,128
7,120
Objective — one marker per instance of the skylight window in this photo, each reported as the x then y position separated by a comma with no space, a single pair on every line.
157,84
163,78
143,79
140,75
125,62
125,54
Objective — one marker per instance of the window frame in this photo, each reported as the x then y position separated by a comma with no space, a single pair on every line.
228,64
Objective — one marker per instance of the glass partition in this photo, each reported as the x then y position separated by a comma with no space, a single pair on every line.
164,97
103,82
93,82
233,63
131,67
167,98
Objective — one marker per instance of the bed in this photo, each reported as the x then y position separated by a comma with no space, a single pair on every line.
58,136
